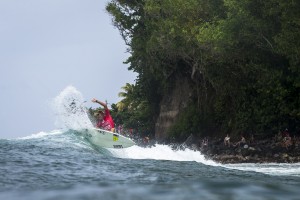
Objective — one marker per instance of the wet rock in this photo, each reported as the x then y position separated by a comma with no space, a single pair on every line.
259,152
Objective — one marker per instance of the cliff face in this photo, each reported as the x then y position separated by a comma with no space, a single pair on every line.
171,106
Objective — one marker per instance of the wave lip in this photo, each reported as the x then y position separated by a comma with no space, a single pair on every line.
274,169
41,135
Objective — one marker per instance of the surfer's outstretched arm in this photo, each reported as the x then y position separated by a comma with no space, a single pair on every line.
100,102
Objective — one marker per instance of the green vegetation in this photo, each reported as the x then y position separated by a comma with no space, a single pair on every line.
241,56
132,111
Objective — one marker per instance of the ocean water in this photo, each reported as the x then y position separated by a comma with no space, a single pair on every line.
61,164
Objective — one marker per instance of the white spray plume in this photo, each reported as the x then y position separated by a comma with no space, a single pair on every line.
70,111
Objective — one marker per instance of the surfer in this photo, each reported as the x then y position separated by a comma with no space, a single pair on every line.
104,119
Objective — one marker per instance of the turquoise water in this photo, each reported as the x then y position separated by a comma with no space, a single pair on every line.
63,165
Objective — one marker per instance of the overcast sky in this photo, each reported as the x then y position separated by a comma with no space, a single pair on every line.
47,45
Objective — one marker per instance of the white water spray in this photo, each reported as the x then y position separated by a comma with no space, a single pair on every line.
164,152
70,111
161,152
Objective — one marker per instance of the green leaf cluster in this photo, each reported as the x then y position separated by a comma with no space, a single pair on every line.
241,56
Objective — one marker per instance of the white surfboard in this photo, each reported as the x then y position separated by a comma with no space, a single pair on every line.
107,139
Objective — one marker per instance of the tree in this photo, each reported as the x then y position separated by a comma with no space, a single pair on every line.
240,56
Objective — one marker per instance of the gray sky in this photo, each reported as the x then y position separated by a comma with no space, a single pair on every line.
47,45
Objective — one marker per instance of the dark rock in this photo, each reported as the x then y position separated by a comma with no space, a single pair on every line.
264,151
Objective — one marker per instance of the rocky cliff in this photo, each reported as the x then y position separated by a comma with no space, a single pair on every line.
171,106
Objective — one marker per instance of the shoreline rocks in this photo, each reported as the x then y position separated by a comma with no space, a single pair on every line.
263,151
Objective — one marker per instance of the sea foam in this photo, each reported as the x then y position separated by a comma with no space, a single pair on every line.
162,152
